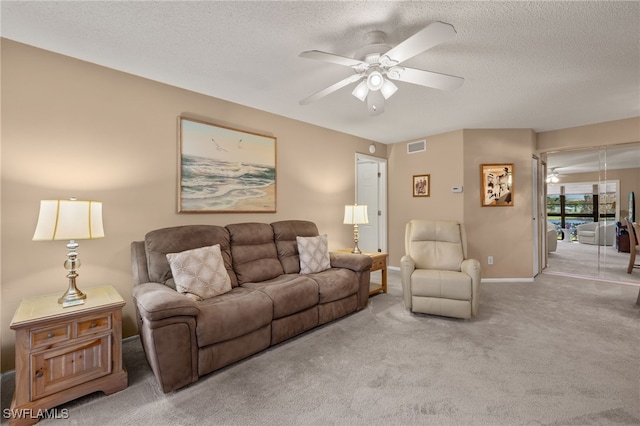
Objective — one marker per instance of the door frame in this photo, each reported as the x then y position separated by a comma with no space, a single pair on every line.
382,195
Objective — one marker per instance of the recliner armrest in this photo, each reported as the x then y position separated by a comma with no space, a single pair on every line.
471,267
407,266
156,301
355,262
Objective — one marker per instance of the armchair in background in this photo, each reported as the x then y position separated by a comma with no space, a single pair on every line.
552,237
598,233
437,278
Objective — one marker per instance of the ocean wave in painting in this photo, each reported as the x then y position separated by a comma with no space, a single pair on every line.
209,184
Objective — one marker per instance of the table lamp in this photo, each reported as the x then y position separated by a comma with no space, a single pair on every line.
70,220
355,215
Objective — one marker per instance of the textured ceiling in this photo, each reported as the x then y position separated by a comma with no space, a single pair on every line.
540,65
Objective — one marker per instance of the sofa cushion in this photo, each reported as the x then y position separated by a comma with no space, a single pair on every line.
178,239
285,233
314,254
232,315
335,284
254,253
200,273
290,293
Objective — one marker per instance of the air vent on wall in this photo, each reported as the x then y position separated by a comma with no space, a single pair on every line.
418,146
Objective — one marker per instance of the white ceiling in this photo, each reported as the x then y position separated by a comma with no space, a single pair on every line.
540,65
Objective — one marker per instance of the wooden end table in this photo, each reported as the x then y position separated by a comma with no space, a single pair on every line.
65,353
379,264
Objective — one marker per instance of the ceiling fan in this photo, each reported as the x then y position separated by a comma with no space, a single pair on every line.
377,64
553,177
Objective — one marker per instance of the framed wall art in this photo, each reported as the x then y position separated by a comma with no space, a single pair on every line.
497,185
225,170
421,185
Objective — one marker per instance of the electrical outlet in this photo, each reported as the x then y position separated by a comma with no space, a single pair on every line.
490,260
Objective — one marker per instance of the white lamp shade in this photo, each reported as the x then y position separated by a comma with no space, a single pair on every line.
388,89
375,80
361,91
355,215
69,220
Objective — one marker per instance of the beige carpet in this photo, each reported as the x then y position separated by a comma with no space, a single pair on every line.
591,261
558,351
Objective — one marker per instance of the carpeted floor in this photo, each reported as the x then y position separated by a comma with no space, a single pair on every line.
587,260
558,351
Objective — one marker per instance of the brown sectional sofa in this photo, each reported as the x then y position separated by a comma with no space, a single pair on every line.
270,301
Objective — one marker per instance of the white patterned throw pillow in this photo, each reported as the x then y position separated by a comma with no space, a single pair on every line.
200,273
314,254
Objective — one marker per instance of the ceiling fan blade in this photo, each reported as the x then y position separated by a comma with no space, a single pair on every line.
330,57
428,79
375,102
424,39
331,89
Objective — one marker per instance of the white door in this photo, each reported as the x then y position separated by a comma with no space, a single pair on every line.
534,214
371,191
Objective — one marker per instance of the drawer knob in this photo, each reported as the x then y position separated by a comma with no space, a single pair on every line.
93,325
39,374
50,335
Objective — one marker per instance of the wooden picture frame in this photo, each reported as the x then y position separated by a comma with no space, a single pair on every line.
497,185
225,170
421,185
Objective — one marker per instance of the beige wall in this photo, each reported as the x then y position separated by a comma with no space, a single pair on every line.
506,233
70,128
593,135
443,161
454,159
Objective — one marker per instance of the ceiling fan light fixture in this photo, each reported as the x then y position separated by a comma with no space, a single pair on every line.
388,89
361,91
375,80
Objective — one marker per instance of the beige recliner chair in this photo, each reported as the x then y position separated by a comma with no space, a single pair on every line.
437,278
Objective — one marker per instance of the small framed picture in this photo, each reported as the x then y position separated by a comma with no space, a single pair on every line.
421,185
497,185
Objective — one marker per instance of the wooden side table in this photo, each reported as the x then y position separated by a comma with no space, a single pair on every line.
379,264
65,353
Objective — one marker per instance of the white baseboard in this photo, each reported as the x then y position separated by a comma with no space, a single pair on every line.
507,280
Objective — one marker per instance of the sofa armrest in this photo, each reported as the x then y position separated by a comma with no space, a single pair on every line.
355,262
157,301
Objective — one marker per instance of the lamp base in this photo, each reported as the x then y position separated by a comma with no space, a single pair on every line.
72,297
356,250
70,303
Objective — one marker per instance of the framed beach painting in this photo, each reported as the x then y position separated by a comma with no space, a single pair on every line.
225,170
421,185
497,185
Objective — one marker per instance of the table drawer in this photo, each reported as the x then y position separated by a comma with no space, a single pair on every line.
93,325
49,335
378,264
